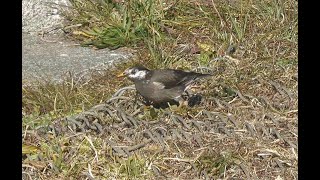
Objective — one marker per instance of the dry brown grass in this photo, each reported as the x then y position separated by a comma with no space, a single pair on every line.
248,119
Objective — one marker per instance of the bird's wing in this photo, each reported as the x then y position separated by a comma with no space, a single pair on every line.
159,85
191,77
167,78
170,78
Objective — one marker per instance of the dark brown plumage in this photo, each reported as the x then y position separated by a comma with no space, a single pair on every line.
163,85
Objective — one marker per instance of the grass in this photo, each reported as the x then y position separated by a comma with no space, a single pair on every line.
185,35
216,164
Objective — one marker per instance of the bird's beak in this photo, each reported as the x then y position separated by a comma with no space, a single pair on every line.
121,75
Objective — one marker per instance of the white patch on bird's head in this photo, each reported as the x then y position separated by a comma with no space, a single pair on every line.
134,73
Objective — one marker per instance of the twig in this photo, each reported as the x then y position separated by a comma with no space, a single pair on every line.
180,160
25,132
120,91
138,146
27,174
241,96
89,172
118,97
215,8
245,170
95,151
78,134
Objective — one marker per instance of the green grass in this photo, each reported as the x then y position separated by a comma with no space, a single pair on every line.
216,165
171,34
158,26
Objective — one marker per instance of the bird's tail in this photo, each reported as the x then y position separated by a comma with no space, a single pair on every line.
194,77
199,75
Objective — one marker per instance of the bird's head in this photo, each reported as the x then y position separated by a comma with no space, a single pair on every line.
135,73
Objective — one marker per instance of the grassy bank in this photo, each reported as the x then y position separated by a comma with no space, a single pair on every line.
176,34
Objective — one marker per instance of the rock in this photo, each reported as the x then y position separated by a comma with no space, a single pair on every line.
42,60
53,57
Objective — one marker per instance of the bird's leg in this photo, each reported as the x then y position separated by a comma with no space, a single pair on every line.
189,93
173,108
182,102
169,106
185,95
147,104
147,108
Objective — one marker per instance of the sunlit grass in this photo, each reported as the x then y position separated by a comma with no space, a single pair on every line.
165,34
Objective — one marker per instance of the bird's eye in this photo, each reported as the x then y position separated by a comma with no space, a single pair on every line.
134,71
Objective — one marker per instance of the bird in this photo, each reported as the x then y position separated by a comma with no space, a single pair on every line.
161,86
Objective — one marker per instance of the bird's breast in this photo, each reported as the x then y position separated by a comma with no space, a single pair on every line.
155,94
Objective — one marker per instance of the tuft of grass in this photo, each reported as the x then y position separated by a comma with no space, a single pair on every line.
159,26
134,167
216,165
127,23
